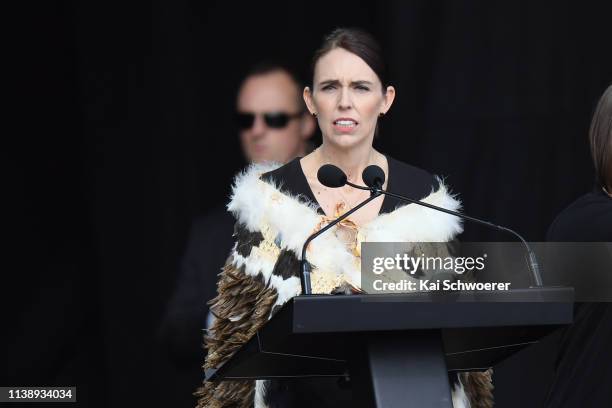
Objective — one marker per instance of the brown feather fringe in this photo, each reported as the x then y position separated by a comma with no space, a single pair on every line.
248,302
479,388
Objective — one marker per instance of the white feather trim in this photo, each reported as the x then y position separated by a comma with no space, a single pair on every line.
255,203
260,389
286,288
460,398
416,223
254,264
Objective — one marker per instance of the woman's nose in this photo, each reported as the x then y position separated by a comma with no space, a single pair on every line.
345,99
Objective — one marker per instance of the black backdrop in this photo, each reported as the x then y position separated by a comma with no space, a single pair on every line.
122,134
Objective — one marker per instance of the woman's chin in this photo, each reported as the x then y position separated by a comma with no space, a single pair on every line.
345,140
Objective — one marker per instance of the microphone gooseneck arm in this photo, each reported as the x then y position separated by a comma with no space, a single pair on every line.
305,269
534,267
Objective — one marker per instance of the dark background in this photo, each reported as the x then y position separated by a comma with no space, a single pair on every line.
118,132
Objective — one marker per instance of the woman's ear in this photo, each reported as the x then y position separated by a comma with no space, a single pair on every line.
307,94
308,127
389,98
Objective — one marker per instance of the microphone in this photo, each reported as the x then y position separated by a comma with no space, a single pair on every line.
374,177
330,176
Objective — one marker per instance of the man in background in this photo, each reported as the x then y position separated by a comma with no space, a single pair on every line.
274,125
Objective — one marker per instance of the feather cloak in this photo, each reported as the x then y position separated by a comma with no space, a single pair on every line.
261,274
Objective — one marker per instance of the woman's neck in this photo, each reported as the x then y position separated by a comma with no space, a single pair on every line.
352,161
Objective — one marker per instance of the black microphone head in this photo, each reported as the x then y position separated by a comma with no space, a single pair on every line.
331,176
373,176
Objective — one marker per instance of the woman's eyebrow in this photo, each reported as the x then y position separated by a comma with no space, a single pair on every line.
337,82
329,82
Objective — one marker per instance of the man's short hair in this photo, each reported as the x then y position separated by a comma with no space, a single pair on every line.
270,66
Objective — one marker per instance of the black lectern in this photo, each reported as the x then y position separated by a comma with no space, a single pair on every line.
397,349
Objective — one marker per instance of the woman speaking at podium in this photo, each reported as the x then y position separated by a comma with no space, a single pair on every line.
278,208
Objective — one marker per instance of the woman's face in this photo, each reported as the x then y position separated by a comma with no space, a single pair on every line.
347,98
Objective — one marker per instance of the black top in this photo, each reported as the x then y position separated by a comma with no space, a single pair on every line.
588,219
402,179
583,375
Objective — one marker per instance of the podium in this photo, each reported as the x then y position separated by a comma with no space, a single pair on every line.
397,349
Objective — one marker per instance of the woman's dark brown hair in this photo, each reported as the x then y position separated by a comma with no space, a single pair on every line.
358,42
600,137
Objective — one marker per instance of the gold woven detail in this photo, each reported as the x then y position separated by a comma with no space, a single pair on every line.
267,248
324,282
358,240
346,230
348,233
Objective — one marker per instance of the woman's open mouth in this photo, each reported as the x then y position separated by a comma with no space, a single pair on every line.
345,125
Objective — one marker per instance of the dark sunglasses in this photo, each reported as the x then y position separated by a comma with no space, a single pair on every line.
275,120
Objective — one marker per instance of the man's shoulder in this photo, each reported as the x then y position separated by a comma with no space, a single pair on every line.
214,221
